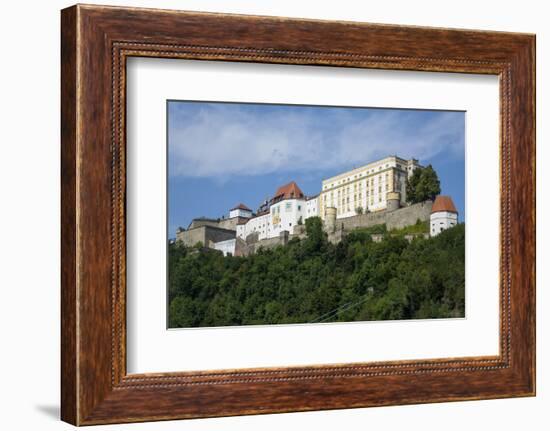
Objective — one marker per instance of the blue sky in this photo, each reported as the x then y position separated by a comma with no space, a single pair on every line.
221,154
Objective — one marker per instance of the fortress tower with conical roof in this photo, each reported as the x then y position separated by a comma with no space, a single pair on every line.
444,215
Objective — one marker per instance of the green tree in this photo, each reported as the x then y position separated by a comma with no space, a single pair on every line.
315,234
412,183
359,210
311,279
423,185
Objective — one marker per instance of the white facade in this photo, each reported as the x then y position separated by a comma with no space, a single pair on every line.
226,247
260,224
366,187
239,212
441,220
312,207
283,215
241,229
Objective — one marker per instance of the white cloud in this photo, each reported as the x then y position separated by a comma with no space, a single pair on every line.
397,132
224,140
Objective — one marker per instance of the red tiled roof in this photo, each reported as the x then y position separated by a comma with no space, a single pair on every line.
288,191
444,203
241,207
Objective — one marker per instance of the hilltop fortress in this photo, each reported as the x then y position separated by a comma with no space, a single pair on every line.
373,194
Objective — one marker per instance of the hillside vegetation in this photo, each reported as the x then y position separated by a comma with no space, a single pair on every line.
311,280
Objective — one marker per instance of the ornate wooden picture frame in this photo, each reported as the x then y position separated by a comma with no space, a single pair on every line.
96,42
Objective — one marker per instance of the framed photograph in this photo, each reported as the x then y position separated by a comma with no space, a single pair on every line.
263,214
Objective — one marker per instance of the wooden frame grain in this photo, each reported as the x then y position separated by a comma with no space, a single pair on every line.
95,43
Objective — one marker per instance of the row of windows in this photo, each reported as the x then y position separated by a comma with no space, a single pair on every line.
263,230
368,183
357,196
347,180
367,172
343,206
288,208
277,210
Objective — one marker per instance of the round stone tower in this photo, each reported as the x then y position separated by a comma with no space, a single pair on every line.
330,219
393,201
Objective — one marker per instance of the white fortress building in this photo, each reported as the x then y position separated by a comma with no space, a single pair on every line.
240,210
369,188
287,208
375,187
444,215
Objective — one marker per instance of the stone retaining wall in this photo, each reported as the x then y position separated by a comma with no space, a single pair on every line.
205,235
397,219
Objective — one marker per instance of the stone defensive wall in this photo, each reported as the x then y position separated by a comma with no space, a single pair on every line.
210,231
204,234
252,244
397,219
228,223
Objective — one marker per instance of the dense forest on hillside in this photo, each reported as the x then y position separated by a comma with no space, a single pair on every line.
312,280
